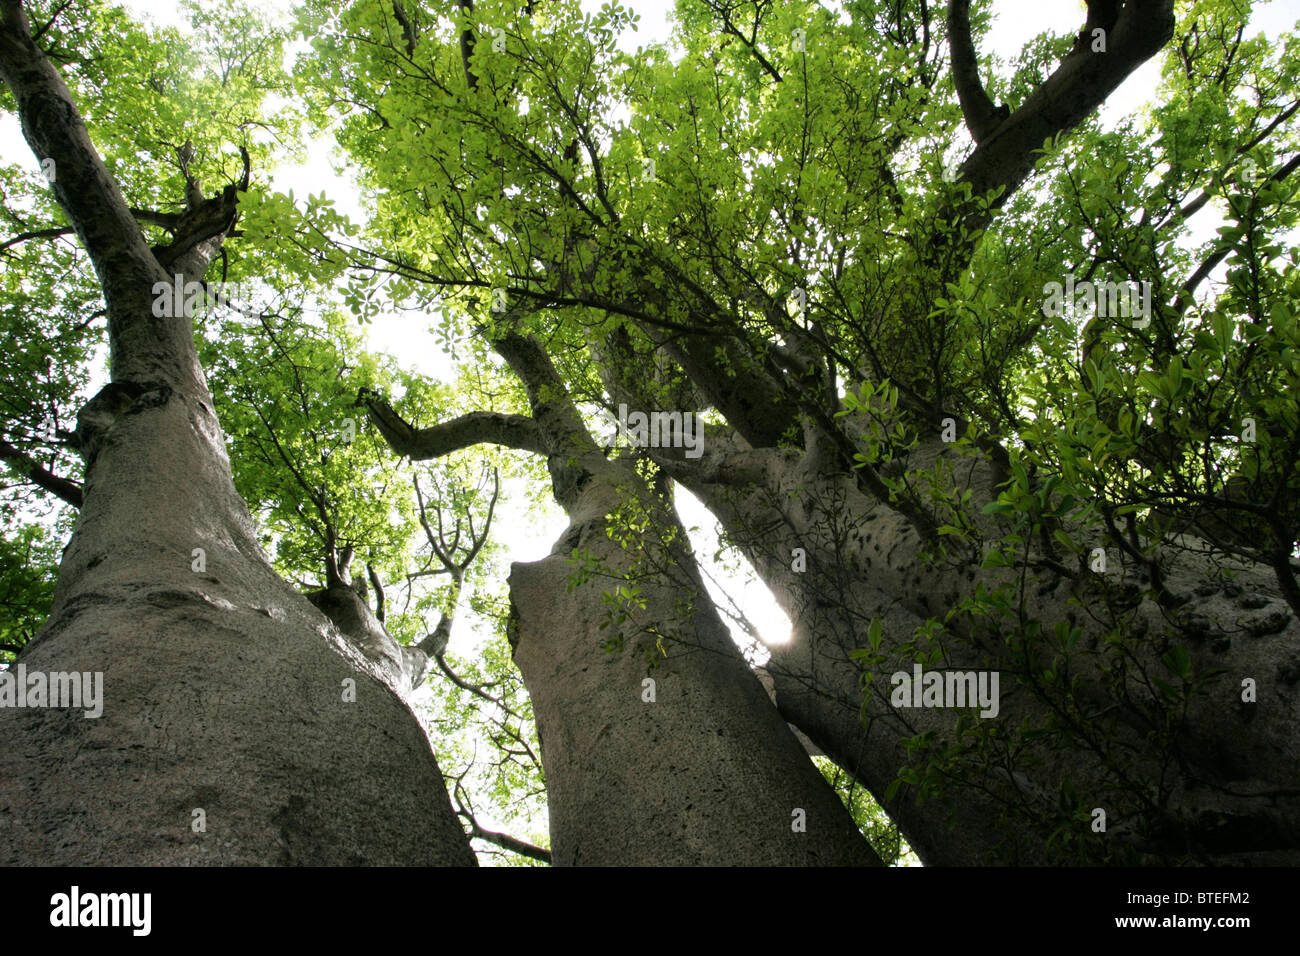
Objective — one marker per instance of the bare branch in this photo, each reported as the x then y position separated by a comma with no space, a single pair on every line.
474,428
503,840
435,643
69,491
507,842
982,117
380,598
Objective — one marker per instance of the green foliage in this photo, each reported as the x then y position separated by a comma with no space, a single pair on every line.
870,817
623,205
141,92
28,564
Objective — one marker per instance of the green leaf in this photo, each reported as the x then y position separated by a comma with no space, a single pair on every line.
1178,661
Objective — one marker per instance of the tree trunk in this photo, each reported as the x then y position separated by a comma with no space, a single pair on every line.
684,763
663,749
223,690
1226,795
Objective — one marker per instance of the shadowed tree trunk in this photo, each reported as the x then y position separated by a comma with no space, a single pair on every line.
224,690
1225,794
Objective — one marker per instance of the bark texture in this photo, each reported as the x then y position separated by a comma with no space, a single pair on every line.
1225,795
1212,782
705,773
224,690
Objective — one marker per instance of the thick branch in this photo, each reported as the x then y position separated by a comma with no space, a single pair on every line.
982,117
143,347
54,130
1075,89
435,642
408,29
474,428
43,478
553,412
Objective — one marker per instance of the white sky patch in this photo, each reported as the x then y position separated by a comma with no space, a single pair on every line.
742,591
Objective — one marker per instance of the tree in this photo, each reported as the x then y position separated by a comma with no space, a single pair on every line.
932,456
1011,441
237,725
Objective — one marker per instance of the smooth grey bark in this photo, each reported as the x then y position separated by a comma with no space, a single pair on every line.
752,389
1225,795
706,773
1228,794
223,689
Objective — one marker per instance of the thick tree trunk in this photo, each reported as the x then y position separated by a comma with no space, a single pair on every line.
1211,782
1227,794
223,690
685,763
665,750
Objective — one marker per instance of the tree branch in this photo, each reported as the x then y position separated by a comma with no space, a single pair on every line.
503,840
982,117
507,842
408,30
51,233
380,598
474,428
54,129
1188,289
43,478
142,348
730,29
467,45
1081,83
554,415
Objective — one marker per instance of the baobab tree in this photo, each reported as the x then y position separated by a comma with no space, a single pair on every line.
969,410
946,359
303,780
238,724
